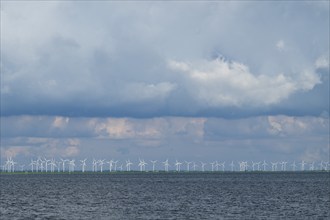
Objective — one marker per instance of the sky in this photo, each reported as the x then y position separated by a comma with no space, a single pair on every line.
186,80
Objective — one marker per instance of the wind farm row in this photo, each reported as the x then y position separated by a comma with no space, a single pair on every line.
101,165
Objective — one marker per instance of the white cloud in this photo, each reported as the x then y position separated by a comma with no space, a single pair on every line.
296,126
275,127
322,62
60,122
223,83
114,128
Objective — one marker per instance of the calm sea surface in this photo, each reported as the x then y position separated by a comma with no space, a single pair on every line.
166,196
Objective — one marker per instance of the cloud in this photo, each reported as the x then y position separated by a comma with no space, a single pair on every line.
114,128
58,61
60,122
322,62
23,147
14,151
223,83
182,137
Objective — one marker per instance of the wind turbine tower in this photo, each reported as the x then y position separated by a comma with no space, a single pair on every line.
311,167
101,163
128,165
303,163
142,165
83,164
212,166
232,166
194,166
294,166
188,165
223,166
203,166
178,165
166,165
264,165
110,162
153,164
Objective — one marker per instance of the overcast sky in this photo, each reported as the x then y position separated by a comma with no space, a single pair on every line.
194,80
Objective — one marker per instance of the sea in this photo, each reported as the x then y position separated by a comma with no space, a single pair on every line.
149,195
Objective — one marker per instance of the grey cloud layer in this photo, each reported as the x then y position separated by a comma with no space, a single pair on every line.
133,59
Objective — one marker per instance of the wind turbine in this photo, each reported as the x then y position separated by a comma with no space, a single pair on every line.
321,165
71,165
177,165
58,166
120,167
188,165
153,164
194,166
212,166
42,165
46,164
101,162
258,165
303,163
311,167
128,165
166,165
63,164
246,166
253,166
94,165
203,166
110,162
31,164
115,163
274,166
223,166
241,166
12,164
216,166
264,165
232,166
9,164
52,165
39,164
283,165
142,165
83,164
294,166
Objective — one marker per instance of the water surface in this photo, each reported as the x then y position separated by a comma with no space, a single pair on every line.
166,196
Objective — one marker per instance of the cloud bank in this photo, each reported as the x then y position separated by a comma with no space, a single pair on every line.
131,59
256,138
